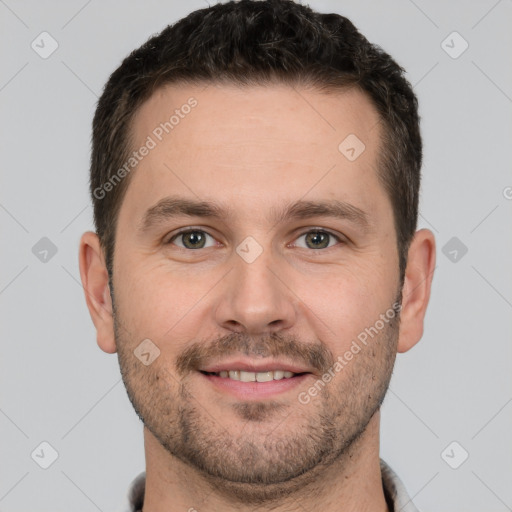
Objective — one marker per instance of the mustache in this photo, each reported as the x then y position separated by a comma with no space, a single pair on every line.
198,355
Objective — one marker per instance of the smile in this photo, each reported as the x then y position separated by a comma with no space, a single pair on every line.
245,376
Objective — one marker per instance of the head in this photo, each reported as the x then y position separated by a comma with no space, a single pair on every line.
289,148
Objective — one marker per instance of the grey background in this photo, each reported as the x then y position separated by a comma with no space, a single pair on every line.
58,386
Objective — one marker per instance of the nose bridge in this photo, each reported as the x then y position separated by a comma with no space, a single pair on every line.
254,299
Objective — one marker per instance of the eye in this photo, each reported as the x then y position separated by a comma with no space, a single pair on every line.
318,239
192,239
197,239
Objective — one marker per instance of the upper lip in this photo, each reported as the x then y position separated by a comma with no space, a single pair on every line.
254,366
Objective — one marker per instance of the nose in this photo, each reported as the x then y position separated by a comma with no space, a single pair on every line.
254,298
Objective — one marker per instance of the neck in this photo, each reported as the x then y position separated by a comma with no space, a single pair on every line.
352,483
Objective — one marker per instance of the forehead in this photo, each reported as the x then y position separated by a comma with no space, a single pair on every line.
269,142
291,113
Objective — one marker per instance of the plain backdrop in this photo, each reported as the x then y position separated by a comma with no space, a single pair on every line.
450,397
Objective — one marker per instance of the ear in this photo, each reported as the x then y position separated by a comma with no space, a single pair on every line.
94,275
416,290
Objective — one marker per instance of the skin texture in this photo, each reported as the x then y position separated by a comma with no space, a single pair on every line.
253,151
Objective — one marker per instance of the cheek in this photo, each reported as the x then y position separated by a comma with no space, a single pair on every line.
158,304
343,305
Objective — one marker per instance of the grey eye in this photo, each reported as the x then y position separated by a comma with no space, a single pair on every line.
318,239
192,239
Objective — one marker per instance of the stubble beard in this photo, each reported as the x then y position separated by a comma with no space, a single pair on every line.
249,462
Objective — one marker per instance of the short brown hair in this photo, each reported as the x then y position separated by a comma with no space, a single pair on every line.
260,42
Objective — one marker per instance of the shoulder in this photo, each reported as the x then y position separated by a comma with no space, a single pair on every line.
396,495
136,493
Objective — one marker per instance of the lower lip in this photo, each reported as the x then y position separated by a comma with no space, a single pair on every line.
254,390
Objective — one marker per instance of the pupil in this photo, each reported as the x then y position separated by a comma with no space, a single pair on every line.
317,238
193,238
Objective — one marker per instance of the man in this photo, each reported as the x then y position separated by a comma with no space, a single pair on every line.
255,174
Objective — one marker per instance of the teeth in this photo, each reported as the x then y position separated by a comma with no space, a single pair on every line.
247,376
244,376
264,376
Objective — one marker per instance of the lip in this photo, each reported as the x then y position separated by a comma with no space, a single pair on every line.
253,391
251,366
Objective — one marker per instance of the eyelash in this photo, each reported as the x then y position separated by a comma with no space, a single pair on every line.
313,230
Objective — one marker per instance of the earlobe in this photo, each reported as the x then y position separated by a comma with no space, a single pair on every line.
416,290
94,276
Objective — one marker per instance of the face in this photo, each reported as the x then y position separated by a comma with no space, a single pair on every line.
289,259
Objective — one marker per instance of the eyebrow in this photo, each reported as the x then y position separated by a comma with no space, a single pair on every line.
173,206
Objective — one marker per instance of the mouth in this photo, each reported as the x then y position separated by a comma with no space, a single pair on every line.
261,376
250,380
